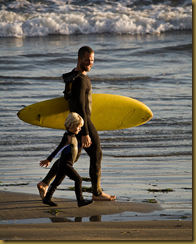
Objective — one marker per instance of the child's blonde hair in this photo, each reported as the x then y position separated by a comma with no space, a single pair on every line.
72,120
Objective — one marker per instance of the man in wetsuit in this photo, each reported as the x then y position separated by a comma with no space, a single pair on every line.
80,101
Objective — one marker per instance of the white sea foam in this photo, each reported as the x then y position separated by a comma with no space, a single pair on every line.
22,18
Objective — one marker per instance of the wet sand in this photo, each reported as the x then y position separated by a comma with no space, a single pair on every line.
21,206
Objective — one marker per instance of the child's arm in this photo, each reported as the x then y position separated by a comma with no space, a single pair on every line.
64,142
45,163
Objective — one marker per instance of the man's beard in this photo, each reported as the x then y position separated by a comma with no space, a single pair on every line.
84,68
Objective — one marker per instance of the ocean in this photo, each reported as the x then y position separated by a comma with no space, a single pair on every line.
143,50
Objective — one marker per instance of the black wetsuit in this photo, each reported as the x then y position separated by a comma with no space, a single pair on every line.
69,154
81,102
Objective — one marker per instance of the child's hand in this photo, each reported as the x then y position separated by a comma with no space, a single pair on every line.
44,163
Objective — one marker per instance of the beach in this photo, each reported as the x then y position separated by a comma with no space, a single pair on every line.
20,207
143,50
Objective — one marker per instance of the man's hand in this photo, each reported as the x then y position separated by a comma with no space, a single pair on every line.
86,141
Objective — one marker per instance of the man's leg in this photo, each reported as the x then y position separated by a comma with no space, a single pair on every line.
95,154
95,168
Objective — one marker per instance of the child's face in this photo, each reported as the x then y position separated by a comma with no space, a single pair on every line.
76,129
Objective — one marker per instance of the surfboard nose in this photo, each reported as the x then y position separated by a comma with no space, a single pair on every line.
138,116
147,115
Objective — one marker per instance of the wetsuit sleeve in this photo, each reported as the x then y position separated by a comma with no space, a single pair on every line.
61,146
78,92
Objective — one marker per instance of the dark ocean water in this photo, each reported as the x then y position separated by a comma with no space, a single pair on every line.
150,60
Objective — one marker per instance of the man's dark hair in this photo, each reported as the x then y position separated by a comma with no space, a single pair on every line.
84,49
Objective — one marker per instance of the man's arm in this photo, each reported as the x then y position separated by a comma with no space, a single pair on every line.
78,99
79,93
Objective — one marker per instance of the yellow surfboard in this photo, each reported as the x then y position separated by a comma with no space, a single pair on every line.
109,112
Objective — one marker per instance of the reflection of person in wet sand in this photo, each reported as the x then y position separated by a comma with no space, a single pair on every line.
96,218
80,101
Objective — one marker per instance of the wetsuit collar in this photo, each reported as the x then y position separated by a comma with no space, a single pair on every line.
70,133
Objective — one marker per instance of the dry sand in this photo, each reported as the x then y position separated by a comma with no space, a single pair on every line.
15,206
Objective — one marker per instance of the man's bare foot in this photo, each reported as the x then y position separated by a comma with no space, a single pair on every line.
103,197
42,188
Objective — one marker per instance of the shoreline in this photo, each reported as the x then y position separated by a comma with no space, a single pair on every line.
21,206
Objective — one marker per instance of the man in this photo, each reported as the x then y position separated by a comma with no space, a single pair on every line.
78,92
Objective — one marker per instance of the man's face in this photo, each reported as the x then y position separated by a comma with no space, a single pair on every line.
87,61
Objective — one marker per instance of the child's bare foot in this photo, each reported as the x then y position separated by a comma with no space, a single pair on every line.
103,197
42,188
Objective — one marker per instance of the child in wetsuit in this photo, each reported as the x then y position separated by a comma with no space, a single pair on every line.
69,151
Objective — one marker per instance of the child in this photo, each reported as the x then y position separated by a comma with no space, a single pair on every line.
69,150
